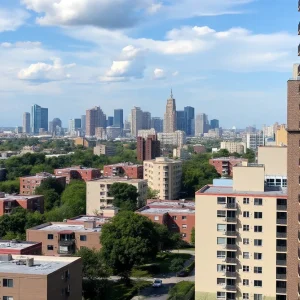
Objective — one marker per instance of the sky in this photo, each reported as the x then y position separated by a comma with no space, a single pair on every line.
229,59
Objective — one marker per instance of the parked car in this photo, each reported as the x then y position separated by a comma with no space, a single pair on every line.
182,273
157,283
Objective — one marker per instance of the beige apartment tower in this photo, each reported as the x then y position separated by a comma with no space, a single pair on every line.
241,238
136,120
164,175
170,115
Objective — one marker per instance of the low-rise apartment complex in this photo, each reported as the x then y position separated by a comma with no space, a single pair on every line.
241,238
178,216
177,138
40,277
15,247
128,170
224,165
97,193
164,175
234,147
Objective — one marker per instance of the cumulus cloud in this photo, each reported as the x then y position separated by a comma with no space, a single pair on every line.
11,20
42,72
25,45
130,64
100,13
159,74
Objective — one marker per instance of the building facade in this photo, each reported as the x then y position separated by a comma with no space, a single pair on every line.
94,118
181,120
26,122
39,119
128,170
177,138
144,133
108,150
157,124
214,124
224,165
190,120
201,124
146,120
164,175
15,247
255,140
118,118
136,120
148,148
170,116
281,135
74,126
234,147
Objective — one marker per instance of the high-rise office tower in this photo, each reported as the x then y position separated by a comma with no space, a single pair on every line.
157,123
201,124
74,126
83,123
170,115
146,120
26,122
39,118
148,148
110,121
136,120
94,118
180,120
54,125
214,124
118,118
190,120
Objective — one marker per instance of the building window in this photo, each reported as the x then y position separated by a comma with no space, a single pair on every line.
258,229
221,241
258,270
183,235
221,200
221,254
221,227
246,201
156,218
50,236
258,242
246,255
184,226
246,282
257,215
49,247
8,298
258,297
246,214
245,296
221,281
221,295
245,227
83,238
245,241
174,218
257,256
258,201
221,213
183,217
8,282
258,283
174,226
245,268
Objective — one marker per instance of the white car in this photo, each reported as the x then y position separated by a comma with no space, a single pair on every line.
157,283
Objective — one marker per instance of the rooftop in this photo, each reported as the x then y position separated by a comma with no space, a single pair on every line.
125,164
43,265
117,179
16,245
65,227
152,210
42,175
4,197
90,218
164,160
230,158
171,203
76,168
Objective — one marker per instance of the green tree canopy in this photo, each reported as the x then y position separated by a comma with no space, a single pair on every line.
152,194
176,265
193,236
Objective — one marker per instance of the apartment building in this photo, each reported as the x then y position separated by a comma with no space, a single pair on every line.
97,192
281,135
224,165
177,138
199,149
28,184
79,173
241,238
30,277
255,140
104,150
147,148
65,238
234,147
164,175
15,247
127,169
29,202
177,215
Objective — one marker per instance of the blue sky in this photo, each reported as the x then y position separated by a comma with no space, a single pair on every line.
227,58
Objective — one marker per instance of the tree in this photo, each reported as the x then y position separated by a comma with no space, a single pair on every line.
128,240
250,155
193,236
221,153
125,196
152,194
176,265
167,240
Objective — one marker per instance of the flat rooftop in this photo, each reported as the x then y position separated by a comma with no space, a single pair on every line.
275,191
124,165
230,158
43,265
18,197
75,169
172,204
65,227
90,218
16,245
117,179
152,210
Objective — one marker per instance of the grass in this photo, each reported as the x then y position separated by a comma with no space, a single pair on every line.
159,266
181,289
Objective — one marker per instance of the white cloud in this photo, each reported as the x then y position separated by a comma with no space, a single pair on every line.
176,73
100,13
24,45
42,72
11,20
159,74
130,64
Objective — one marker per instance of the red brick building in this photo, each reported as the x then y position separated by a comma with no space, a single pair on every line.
199,149
124,169
79,173
224,165
31,202
148,149
20,248
28,184
177,215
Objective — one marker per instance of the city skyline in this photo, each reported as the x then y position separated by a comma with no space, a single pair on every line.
60,63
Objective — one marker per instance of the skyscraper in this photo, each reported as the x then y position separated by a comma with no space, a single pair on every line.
146,120
39,118
26,122
180,120
214,124
74,126
110,121
136,120
170,115
83,123
201,124
157,123
148,148
190,120
94,118
54,124
118,118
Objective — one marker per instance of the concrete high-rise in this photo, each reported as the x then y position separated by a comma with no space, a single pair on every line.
190,120
26,122
94,118
83,123
39,118
55,125
170,115
74,126
180,120
118,118
146,120
148,148
157,123
201,124
136,120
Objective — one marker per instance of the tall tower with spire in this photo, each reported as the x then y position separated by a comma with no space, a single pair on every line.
170,115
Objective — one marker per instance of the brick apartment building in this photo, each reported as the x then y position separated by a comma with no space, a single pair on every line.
15,247
224,165
129,170
177,215
148,148
31,202
199,149
30,277
79,173
28,184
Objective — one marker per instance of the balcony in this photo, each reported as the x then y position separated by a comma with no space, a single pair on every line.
281,221
282,207
281,248
281,235
230,246
280,276
229,288
231,219
280,290
230,205
281,262
229,274
230,233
